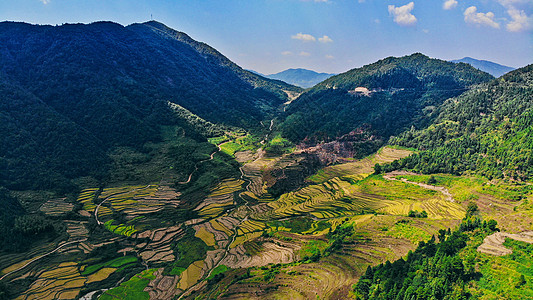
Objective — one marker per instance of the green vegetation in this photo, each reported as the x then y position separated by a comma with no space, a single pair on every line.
122,229
487,130
278,145
217,271
417,214
404,88
403,229
115,263
188,250
432,271
468,188
132,289
508,276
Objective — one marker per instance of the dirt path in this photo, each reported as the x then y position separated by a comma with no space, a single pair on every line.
196,165
493,244
235,233
441,189
44,255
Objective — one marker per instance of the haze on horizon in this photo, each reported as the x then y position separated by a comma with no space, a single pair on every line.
330,36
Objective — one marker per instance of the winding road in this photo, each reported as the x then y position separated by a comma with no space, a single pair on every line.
234,236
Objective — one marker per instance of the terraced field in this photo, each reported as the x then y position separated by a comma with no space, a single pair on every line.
298,220
282,241
360,169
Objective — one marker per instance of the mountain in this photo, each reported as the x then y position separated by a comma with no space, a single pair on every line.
300,77
492,68
73,93
488,129
383,99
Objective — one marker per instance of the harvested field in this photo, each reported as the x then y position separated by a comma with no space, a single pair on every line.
270,254
361,168
56,207
493,244
62,282
191,276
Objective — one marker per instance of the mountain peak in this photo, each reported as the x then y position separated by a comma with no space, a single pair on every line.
301,77
490,67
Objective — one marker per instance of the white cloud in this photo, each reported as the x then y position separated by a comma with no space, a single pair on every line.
449,4
516,9
474,17
377,21
303,37
425,30
45,1
402,14
325,39
303,53
286,53
520,21
329,56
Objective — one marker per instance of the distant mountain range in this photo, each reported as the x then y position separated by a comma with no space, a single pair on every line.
300,77
492,68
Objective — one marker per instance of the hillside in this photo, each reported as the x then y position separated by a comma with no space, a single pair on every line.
300,77
72,93
383,99
492,68
487,129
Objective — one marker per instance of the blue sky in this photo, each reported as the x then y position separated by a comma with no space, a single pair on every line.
323,35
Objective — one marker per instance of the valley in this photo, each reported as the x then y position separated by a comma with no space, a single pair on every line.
201,180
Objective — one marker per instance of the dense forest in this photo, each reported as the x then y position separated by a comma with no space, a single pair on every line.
71,94
402,92
435,270
488,129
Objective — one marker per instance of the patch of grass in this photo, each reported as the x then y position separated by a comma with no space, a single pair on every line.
313,248
132,289
395,190
122,229
509,276
218,270
230,148
188,250
408,231
115,263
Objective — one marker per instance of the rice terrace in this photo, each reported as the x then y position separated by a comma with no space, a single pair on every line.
137,162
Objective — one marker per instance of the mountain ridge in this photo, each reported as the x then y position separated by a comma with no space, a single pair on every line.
490,67
300,77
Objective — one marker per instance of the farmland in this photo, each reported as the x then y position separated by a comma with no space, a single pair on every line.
313,241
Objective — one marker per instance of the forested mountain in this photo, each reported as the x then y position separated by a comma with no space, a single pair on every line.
300,77
488,129
71,93
492,68
384,98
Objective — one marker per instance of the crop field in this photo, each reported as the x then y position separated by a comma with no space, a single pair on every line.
64,281
507,202
284,242
86,197
56,207
220,198
132,289
360,169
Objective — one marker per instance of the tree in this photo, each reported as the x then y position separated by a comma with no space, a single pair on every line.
377,169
